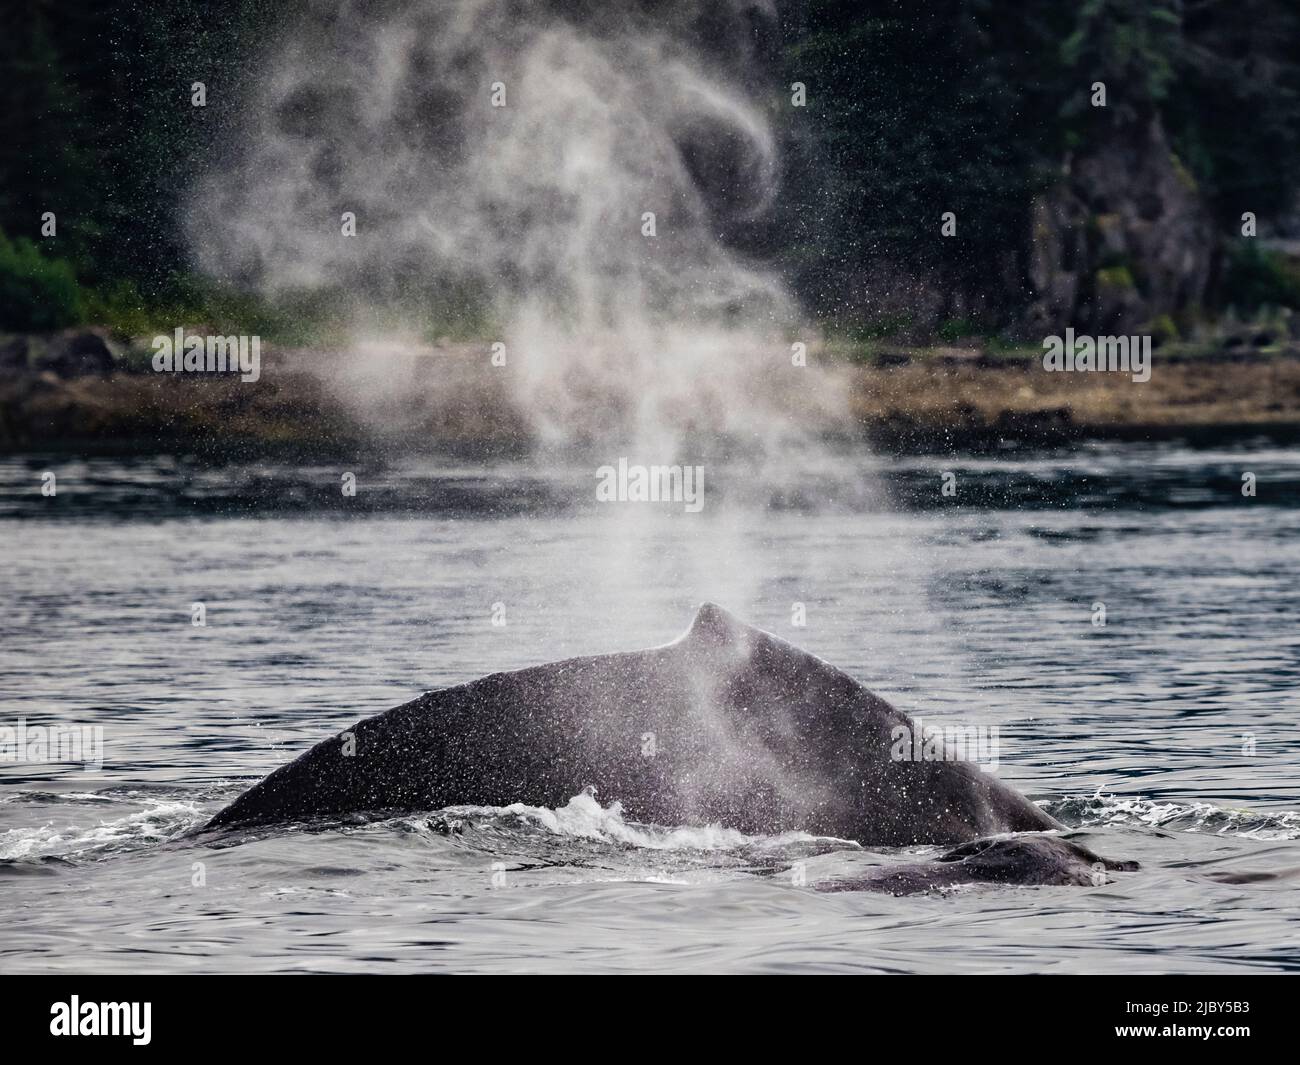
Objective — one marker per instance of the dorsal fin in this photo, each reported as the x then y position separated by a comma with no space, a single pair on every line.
717,627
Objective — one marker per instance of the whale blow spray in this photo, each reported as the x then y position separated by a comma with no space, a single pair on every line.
571,163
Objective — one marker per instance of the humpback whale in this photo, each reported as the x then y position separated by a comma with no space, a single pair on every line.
726,725
1024,860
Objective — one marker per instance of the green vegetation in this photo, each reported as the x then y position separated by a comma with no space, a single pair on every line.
914,109
1257,278
35,292
971,106
1117,276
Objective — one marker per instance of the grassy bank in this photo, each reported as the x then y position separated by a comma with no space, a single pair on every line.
436,398
967,400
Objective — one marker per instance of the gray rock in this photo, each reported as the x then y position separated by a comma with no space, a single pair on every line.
13,355
1124,238
78,354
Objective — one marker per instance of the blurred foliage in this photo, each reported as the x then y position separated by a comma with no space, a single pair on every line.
36,293
914,109
99,128
970,106
1255,278
1129,44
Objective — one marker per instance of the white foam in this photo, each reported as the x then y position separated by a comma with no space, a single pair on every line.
584,818
158,822
1106,809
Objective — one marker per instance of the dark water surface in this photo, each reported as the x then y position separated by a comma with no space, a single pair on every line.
1170,735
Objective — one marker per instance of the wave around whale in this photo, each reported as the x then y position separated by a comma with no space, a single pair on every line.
726,726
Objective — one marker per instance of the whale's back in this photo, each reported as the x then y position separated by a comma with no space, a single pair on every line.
728,724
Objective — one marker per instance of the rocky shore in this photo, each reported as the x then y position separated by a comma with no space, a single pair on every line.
87,392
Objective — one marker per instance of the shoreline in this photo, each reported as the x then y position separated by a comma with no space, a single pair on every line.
436,401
